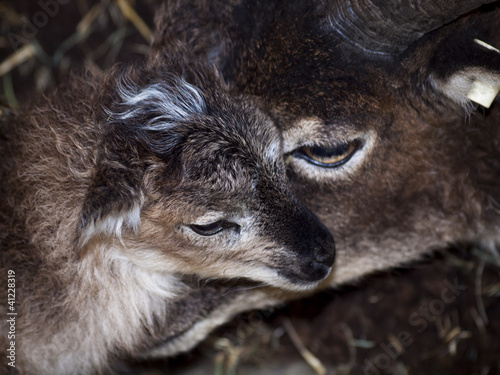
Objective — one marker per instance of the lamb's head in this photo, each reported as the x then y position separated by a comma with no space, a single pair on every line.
191,181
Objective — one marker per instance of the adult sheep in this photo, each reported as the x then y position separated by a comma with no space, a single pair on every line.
378,106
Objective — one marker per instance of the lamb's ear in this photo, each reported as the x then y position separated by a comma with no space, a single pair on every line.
467,70
113,202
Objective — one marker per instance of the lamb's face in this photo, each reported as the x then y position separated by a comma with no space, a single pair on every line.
211,196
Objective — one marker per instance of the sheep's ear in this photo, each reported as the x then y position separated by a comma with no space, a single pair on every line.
113,202
467,70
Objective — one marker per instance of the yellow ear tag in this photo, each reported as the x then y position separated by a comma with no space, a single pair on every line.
483,93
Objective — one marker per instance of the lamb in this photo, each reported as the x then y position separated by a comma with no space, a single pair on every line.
120,192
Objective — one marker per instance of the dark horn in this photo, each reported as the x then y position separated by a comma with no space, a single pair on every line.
389,27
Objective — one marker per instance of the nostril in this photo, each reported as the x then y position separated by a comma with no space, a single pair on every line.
324,251
322,257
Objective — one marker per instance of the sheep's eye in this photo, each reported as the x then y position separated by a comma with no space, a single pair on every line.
208,229
328,157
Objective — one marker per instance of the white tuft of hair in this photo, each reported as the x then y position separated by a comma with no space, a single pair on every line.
169,102
112,224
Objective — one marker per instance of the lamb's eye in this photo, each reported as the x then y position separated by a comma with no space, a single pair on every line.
208,229
328,157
